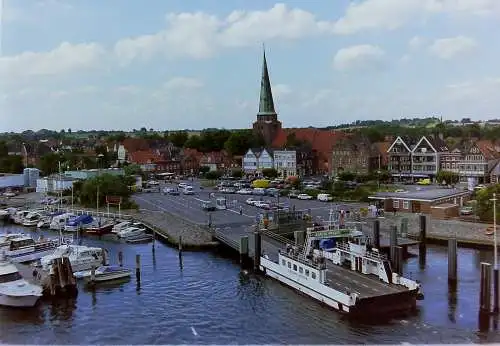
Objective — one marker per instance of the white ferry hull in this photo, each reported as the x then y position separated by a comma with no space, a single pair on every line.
18,301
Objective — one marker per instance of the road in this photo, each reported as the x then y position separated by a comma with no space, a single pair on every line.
189,206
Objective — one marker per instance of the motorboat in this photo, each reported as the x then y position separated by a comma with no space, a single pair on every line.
4,214
124,224
131,232
81,257
26,249
32,219
18,216
47,219
6,238
76,223
100,228
59,221
14,290
104,273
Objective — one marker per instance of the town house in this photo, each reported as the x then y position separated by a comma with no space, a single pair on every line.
285,163
399,153
255,160
426,157
351,154
479,160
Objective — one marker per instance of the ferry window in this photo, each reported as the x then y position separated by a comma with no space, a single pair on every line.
313,275
301,270
307,272
289,265
395,204
406,204
295,267
283,262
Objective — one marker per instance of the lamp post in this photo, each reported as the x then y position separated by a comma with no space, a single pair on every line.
98,175
496,278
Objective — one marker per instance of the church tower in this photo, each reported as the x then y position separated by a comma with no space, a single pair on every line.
267,124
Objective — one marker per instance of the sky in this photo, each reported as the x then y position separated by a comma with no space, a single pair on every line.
168,65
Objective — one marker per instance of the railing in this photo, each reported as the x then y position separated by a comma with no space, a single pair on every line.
92,213
368,254
220,235
298,257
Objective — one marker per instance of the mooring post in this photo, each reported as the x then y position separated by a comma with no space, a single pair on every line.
404,227
393,242
452,261
423,229
485,291
180,246
120,258
92,274
153,240
104,259
399,259
422,248
243,250
138,267
376,234
257,250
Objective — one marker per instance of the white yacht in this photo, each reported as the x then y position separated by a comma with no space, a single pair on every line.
58,222
19,216
32,219
4,214
129,232
78,222
81,257
123,225
26,249
14,290
6,238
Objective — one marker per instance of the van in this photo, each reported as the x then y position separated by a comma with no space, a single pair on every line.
324,197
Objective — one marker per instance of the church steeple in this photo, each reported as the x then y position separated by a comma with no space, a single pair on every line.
266,102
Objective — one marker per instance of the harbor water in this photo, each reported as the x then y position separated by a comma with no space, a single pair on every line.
205,298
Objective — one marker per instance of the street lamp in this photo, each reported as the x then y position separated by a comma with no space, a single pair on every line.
494,200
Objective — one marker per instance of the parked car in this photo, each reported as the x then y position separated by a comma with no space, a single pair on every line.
182,185
245,191
324,197
259,191
466,211
304,196
293,194
251,201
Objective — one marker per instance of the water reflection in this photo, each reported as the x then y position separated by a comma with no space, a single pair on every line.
422,256
452,302
62,309
33,315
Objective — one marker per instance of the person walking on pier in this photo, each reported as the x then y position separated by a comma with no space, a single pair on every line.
241,210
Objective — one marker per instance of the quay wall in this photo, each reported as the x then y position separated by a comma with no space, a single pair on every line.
438,230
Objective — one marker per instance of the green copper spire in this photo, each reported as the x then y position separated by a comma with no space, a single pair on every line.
266,103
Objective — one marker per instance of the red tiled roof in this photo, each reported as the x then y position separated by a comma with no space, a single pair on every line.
488,149
142,157
321,140
135,144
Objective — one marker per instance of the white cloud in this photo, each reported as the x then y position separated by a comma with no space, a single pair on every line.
393,14
183,83
416,42
448,48
63,59
358,57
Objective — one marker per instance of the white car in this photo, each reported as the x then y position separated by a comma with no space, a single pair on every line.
245,191
304,196
263,205
251,201
182,185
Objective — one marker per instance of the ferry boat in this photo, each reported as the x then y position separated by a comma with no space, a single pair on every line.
80,257
26,249
14,290
59,221
353,277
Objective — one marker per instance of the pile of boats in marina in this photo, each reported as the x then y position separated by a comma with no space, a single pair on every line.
87,263
129,231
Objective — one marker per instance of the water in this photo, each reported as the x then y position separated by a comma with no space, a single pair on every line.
208,300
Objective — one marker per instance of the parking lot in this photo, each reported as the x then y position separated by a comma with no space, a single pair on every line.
190,206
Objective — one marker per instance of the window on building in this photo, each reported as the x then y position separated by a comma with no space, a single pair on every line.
295,267
283,262
307,272
395,204
313,275
406,204
289,265
301,270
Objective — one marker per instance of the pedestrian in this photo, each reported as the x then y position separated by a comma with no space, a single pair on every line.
241,210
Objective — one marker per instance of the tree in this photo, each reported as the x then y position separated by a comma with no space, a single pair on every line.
237,173
132,170
204,169
11,164
178,138
4,151
49,163
193,142
269,173
484,203
347,176
213,175
109,185
239,142
447,177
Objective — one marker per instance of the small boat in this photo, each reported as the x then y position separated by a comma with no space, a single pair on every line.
104,273
131,232
97,229
139,239
4,214
123,225
14,290
26,249
6,238
74,224
59,221
47,219
19,216
81,257
32,219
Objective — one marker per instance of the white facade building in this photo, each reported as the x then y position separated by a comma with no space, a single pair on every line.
285,163
54,184
256,160
121,153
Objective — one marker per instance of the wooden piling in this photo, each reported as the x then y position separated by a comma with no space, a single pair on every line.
496,293
180,245
399,259
422,247
104,259
376,234
423,229
120,258
138,267
243,250
92,274
452,261
257,250
404,227
485,288
393,241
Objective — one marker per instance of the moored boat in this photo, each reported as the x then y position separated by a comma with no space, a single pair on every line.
59,221
78,222
14,290
32,219
81,257
99,229
104,273
131,232
26,249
